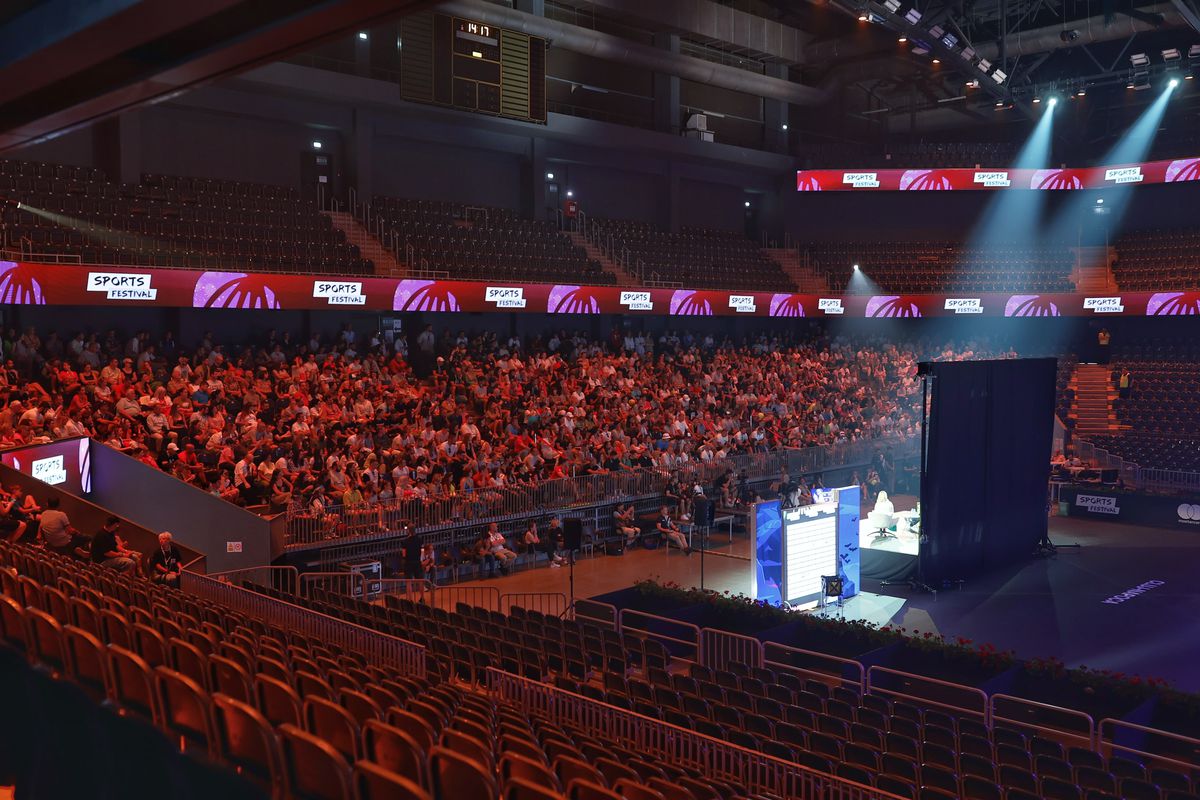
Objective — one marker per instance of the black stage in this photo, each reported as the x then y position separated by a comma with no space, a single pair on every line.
1056,606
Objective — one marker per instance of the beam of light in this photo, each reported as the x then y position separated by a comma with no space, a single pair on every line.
1083,220
1012,212
99,234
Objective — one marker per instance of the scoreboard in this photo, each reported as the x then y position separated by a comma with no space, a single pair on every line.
466,64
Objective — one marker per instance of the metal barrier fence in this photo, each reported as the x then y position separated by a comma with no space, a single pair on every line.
927,691
306,528
284,579
603,614
350,584
1141,743
682,639
718,649
1064,723
552,604
811,664
717,759
380,648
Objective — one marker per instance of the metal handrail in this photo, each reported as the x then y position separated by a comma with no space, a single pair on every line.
611,619
1191,744
908,677
715,758
310,579
1088,736
720,648
549,603
285,579
623,625
858,684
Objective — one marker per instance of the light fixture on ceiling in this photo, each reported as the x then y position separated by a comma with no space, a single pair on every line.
362,36
1139,60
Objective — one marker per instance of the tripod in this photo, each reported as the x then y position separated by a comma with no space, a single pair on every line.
1047,548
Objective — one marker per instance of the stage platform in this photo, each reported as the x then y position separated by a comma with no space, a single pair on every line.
1041,607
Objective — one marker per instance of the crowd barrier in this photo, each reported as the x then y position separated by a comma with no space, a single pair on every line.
929,692
307,528
811,664
1017,712
682,639
382,649
718,649
758,773
1152,744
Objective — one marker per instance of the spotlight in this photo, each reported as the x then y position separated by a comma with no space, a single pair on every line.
937,61
747,204
1173,83
570,193
549,176
856,267
1053,102
316,145
1068,36
1081,93
1100,201
913,16
862,17
784,126
362,36
902,39
1037,100
1139,59
19,204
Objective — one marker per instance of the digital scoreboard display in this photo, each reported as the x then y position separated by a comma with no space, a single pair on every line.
472,66
810,550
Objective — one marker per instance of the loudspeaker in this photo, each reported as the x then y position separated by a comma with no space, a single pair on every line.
572,533
704,511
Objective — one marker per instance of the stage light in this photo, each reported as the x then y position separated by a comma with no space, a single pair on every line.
1081,93
999,104
862,17
937,61
1139,60
1173,83
570,193
902,39
1100,201
747,204
913,16
1053,102
1037,100
1171,57
892,6
856,267
783,126
362,36
316,145
549,176
1068,36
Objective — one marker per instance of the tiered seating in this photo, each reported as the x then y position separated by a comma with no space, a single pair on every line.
1160,411
901,748
474,243
937,266
1159,259
696,257
199,223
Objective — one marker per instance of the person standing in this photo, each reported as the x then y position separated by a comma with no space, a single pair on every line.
412,554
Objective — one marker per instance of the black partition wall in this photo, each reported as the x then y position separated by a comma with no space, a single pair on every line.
987,464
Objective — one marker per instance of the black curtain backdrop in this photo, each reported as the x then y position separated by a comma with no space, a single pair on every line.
987,464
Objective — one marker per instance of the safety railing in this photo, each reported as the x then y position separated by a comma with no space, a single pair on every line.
1046,720
682,639
923,691
552,604
1119,738
719,649
307,527
380,648
417,590
349,584
595,612
283,579
716,759
811,664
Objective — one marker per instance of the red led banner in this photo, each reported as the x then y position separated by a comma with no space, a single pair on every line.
70,285
931,180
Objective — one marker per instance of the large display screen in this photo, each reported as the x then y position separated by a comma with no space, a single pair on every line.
1180,170
810,549
24,283
66,463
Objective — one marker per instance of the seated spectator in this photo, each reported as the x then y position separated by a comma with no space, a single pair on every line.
670,531
110,551
166,562
12,520
498,546
530,541
555,542
625,524
483,556
55,530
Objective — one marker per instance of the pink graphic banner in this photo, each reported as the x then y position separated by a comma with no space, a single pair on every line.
1180,170
30,284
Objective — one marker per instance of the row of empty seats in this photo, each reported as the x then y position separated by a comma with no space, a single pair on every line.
168,221
475,242
695,257
1158,259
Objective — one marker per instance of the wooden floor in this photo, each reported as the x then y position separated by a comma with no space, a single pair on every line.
725,567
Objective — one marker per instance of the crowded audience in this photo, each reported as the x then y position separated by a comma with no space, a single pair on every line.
352,422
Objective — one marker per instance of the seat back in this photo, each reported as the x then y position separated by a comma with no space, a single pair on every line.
373,782
245,739
459,777
131,683
315,769
333,724
394,750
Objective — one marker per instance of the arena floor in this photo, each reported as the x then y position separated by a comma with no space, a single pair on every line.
1042,607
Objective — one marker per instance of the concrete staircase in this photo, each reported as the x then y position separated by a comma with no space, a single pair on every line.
607,264
1093,270
1092,407
807,281
385,263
